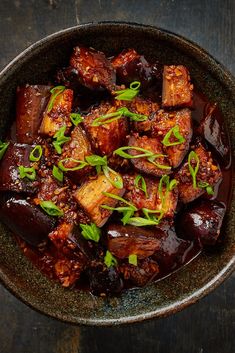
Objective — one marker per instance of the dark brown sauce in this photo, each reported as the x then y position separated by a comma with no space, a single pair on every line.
46,259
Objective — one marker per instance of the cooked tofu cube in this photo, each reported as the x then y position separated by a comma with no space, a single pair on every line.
90,197
176,89
209,172
164,122
58,115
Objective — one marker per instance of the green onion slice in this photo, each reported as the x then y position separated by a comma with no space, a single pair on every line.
91,232
120,113
60,139
57,173
119,198
141,222
54,93
3,148
76,118
140,183
117,181
193,169
27,172
176,132
132,259
80,164
36,154
51,209
110,260
207,186
129,93
95,160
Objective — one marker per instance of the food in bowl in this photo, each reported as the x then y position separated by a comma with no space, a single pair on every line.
115,174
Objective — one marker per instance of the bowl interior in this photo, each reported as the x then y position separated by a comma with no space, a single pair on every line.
38,65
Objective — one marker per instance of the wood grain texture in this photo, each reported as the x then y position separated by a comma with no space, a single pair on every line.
208,326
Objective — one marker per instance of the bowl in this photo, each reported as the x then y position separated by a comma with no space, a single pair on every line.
184,287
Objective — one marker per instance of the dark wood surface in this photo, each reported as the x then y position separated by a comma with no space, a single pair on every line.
206,327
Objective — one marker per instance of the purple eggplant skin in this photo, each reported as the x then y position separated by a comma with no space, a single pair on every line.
30,104
202,221
104,280
16,155
26,220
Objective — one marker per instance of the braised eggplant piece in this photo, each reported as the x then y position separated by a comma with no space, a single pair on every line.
90,196
15,156
94,69
214,132
176,88
160,164
123,241
104,280
142,274
178,125
26,220
131,66
105,138
57,113
208,174
151,198
31,102
202,221
144,107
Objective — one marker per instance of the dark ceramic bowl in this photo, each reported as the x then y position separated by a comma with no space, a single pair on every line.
38,63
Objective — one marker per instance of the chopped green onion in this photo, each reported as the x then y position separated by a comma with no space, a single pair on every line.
60,139
3,148
127,215
91,232
117,182
110,260
57,173
132,259
54,93
80,164
95,160
152,158
129,93
176,132
36,154
142,222
116,197
139,179
27,172
51,209
120,113
76,118
193,170
207,186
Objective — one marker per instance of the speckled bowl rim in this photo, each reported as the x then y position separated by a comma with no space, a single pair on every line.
178,305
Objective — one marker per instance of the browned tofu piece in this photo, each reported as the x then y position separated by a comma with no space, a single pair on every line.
94,69
30,104
164,122
176,89
107,137
142,164
152,200
90,197
78,147
59,115
144,107
123,241
208,172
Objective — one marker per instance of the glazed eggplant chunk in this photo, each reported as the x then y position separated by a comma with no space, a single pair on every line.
94,69
111,185
176,88
30,104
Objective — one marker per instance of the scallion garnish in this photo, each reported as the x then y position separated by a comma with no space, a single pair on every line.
140,183
51,209
193,169
120,113
76,118
60,139
110,260
95,160
176,132
151,157
57,173
3,148
91,232
129,93
207,186
142,222
80,164
132,259
54,93
27,172
117,181
36,154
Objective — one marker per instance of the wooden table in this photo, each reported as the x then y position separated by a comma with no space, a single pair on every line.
206,327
